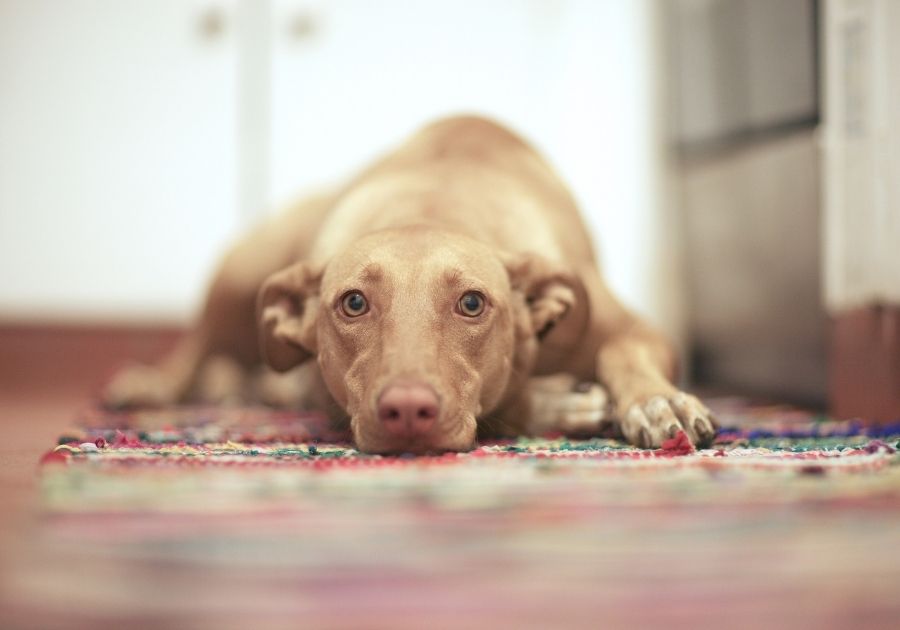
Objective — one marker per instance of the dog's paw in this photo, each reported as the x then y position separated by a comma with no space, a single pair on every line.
282,390
139,386
577,409
220,381
647,424
300,388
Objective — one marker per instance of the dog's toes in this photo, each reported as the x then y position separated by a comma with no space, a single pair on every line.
636,427
647,425
697,420
661,417
704,430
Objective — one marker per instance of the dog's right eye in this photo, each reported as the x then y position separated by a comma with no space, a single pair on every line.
354,304
471,304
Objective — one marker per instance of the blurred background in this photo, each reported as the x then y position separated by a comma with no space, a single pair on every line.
737,161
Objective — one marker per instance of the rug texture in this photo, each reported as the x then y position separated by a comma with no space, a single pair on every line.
242,517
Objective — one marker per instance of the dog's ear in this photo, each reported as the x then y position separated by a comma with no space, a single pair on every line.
548,288
286,314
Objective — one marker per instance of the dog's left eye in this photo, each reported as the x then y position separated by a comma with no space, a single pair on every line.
471,304
354,304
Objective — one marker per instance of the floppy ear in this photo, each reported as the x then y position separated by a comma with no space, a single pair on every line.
286,314
548,288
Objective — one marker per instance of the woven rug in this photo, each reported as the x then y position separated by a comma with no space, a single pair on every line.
237,518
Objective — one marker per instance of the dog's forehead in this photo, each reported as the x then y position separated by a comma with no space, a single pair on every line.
417,258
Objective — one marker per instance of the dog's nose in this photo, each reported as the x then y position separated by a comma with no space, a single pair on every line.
408,409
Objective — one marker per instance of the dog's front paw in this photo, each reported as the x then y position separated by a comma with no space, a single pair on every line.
647,423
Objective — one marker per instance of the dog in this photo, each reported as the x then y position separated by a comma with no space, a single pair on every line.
423,300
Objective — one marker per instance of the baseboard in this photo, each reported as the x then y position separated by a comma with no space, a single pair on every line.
864,364
74,357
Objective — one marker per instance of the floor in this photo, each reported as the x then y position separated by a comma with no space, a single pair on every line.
747,560
47,374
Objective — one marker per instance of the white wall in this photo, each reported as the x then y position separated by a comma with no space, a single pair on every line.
577,78
322,87
861,166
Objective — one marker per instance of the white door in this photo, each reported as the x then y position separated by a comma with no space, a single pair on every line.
350,78
117,155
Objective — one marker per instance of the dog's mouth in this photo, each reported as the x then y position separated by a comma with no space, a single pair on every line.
419,449
438,440
420,446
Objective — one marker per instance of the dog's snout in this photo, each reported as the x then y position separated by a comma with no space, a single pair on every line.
408,409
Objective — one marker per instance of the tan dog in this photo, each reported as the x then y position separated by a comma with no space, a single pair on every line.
430,289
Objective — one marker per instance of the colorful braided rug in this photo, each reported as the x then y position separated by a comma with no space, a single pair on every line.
237,518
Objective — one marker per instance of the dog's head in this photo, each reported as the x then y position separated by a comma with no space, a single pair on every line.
417,332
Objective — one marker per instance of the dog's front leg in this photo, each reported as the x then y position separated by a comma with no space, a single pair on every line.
636,366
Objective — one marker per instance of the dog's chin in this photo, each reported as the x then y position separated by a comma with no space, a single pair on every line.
433,443
422,446
415,448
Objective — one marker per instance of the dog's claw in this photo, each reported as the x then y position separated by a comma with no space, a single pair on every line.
646,441
703,428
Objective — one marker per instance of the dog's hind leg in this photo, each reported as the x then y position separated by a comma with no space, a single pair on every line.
164,383
208,364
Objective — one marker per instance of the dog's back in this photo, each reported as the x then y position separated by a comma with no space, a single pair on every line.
471,175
